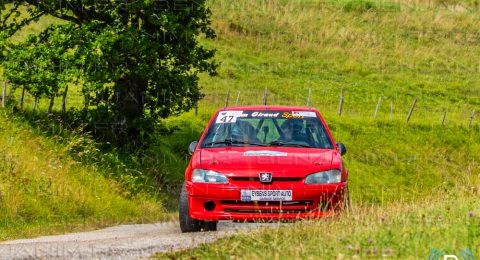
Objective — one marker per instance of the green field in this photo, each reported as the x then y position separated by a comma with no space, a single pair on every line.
408,174
388,51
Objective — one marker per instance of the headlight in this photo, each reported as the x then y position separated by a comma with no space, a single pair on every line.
325,177
208,176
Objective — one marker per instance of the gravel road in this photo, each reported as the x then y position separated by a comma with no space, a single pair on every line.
120,242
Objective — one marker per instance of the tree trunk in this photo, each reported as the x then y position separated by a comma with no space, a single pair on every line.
64,100
35,105
129,98
128,105
86,102
50,106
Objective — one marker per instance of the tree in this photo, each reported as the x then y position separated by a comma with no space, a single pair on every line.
139,60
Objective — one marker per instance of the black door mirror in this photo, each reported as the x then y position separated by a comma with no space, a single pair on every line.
341,148
192,147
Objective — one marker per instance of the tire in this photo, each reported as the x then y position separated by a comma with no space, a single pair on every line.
187,224
210,226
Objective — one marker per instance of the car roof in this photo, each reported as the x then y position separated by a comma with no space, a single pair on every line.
250,108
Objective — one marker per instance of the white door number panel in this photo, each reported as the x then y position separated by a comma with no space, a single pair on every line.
226,117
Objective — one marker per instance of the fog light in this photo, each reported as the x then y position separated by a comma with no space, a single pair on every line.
209,205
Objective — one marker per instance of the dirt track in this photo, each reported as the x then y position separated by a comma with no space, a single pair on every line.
120,242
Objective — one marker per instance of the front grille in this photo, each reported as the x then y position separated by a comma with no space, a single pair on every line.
300,206
274,179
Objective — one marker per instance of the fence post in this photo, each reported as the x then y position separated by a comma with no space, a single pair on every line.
378,106
227,97
35,103
444,118
265,97
411,110
238,98
471,118
4,94
309,95
340,105
50,106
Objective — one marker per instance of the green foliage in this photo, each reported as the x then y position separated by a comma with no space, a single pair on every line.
42,67
137,62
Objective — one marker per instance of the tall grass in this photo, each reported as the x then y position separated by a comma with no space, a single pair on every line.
44,191
399,231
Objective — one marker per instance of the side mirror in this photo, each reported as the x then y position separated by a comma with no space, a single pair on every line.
192,147
341,148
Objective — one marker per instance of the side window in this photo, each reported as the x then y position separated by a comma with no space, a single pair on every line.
217,133
320,136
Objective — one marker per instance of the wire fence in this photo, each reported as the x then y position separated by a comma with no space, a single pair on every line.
342,102
346,104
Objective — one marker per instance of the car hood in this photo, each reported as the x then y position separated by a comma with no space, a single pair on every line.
281,161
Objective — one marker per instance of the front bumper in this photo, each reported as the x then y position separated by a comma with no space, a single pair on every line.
308,201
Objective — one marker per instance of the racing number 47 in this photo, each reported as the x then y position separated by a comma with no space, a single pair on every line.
227,119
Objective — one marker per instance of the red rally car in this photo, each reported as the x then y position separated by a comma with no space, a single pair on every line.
263,163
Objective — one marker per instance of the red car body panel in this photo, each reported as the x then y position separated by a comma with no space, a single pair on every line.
289,173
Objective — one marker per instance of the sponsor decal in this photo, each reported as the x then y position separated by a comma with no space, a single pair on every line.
265,115
266,195
271,193
304,114
264,153
288,115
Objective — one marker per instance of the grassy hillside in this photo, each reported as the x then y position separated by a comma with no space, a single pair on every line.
372,49
397,51
44,191
414,186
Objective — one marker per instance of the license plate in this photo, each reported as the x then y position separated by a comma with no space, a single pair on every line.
266,195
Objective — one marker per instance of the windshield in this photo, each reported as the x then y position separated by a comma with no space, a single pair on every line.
267,128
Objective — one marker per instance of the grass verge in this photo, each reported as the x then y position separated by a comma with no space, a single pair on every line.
448,223
45,191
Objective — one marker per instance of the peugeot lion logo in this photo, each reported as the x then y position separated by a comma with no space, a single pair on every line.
265,177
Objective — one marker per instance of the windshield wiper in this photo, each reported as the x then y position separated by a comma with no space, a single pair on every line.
282,143
232,142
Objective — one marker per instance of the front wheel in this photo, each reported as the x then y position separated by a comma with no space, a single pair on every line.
187,224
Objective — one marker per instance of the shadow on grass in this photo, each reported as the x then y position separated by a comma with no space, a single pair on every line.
154,168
